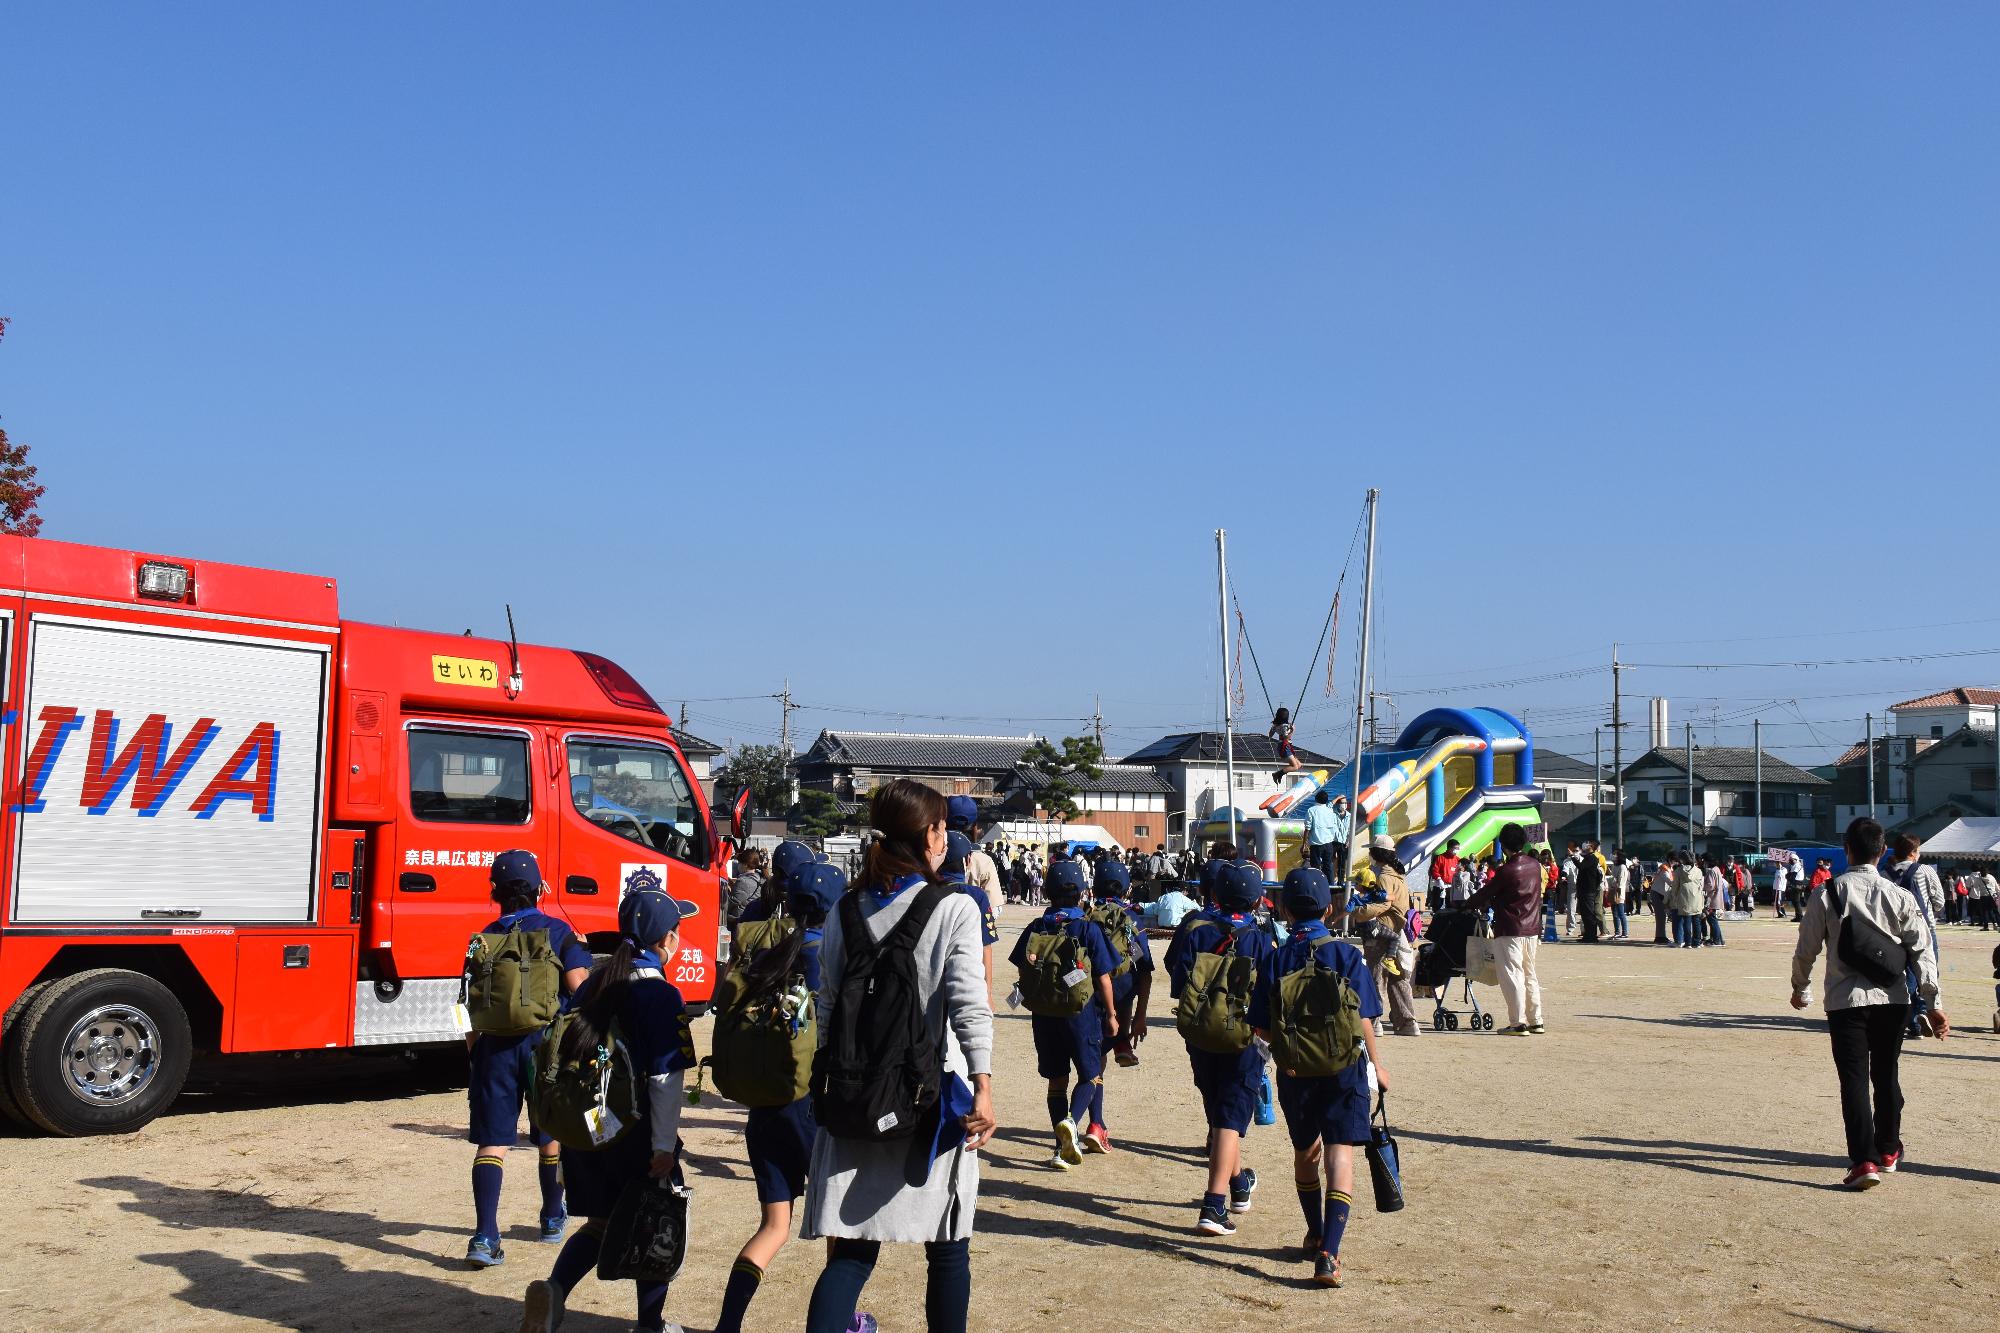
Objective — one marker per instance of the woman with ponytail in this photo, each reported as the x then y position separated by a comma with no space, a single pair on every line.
628,990
862,1192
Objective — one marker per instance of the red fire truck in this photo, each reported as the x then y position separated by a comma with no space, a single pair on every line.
237,822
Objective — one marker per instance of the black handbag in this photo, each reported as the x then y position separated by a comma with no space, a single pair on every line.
1866,948
1385,1167
646,1238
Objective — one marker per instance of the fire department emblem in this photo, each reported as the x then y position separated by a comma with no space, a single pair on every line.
644,879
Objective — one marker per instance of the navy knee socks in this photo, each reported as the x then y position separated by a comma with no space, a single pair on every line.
486,1177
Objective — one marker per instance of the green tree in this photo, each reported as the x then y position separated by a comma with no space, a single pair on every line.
19,494
762,769
818,814
1080,756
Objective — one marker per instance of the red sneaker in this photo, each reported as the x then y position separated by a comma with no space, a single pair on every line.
1862,1177
1890,1160
1096,1139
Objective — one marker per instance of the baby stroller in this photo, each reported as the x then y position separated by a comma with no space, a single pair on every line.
1441,957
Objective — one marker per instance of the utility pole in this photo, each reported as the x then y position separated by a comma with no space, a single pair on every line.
1757,739
1597,781
1361,684
1869,735
785,706
1690,764
1374,737
1097,720
1228,704
1617,746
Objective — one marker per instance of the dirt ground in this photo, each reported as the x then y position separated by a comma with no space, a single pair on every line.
1665,1158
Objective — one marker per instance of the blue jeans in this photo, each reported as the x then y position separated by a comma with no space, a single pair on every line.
1683,930
849,1264
1619,924
1714,924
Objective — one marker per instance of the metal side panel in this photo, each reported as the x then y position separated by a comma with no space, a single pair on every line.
421,1011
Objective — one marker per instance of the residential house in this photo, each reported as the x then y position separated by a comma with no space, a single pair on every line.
1951,779
1939,715
1194,765
1128,801
851,764
701,756
1893,756
1797,804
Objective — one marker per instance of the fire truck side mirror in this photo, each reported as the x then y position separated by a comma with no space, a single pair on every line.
738,812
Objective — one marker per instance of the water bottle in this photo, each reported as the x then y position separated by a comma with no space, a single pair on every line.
1267,1107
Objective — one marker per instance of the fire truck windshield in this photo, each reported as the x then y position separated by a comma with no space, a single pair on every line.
640,793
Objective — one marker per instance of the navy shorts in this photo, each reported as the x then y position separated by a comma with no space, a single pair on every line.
1324,1110
501,1070
779,1141
1229,1085
1062,1044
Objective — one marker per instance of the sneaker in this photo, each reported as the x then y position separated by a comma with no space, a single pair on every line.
1891,1160
1312,1243
864,1323
1057,1163
1326,1270
1537,1030
1096,1139
1125,1055
1066,1146
542,1310
1862,1177
1518,1030
484,1252
553,1228
1214,1222
1239,1195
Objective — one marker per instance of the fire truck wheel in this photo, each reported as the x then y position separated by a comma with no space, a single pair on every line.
101,1052
10,1037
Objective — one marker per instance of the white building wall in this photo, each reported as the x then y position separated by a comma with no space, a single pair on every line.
1941,721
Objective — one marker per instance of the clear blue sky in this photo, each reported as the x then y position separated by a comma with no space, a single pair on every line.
916,351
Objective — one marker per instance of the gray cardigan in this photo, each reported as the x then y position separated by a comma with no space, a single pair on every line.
1891,908
856,1189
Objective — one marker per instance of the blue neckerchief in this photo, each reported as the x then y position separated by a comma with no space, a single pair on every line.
812,936
646,958
895,887
1311,932
1065,913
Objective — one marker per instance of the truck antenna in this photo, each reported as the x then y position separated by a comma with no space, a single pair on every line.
514,647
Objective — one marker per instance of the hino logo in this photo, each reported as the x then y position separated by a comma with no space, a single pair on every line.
150,764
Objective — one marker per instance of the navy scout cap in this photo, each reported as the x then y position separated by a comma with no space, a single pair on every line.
647,915
515,870
1307,892
1239,884
961,812
1065,883
787,859
1113,875
818,885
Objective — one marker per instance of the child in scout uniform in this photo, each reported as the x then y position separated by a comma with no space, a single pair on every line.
957,853
1316,1004
504,961
1228,1080
1067,989
629,993
779,1139
1132,980
786,861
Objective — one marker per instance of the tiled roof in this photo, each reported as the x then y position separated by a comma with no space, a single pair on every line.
1205,747
693,746
1728,763
1954,744
917,750
1960,697
1118,779
1853,753
1562,768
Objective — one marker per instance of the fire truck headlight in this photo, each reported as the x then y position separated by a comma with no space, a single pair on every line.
163,582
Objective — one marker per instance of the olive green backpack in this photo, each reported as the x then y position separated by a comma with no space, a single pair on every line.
1116,923
512,984
1315,1022
587,1102
762,1050
1055,973
1213,1013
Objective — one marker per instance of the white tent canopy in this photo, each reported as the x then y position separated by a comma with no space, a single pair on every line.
1977,837
1041,832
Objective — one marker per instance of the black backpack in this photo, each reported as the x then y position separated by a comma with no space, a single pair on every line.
879,1071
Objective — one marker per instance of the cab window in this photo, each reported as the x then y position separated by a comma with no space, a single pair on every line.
468,777
640,793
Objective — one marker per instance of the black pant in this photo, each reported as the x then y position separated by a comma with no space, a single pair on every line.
1867,1043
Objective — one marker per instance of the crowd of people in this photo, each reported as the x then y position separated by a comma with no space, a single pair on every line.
868,1114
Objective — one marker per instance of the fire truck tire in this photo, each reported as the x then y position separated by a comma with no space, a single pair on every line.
10,1028
101,1052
